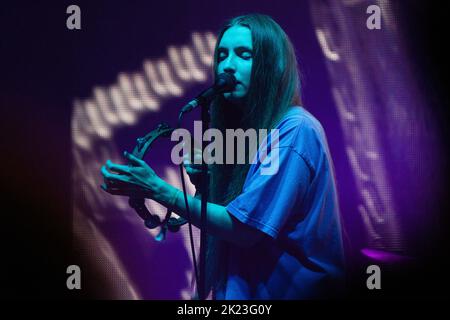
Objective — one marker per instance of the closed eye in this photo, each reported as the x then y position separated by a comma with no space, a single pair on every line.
242,52
246,55
221,56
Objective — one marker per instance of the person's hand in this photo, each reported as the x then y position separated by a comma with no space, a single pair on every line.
189,162
136,180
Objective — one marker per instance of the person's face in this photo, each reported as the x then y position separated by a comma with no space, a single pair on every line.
235,55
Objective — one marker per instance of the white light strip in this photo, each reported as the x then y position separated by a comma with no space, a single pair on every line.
120,104
94,122
331,55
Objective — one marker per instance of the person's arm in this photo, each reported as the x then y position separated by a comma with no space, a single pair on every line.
219,221
140,179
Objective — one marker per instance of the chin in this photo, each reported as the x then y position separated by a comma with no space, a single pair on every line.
233,97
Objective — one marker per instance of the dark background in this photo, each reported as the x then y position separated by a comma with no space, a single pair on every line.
44,66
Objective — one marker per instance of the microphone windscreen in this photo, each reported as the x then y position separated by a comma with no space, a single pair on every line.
225,82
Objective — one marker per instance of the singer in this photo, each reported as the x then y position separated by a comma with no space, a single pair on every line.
270,236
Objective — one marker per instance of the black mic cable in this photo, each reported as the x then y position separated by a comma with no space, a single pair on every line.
188,212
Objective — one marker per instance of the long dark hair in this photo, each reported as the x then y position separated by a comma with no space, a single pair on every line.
274,88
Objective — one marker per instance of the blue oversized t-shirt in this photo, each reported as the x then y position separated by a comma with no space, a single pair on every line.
302,255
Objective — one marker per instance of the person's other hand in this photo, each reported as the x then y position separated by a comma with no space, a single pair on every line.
192,164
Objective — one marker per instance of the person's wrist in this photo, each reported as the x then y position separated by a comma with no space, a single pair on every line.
166,194
155,192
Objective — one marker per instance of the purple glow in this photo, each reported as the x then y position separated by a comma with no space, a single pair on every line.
384,256
378,128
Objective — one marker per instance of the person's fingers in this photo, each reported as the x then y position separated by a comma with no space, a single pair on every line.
111,177
117,167
133,159
191,170
195,167
104,172
188,165
196,160
186,157
188,170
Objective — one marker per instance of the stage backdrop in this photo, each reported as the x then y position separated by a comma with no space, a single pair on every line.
141,62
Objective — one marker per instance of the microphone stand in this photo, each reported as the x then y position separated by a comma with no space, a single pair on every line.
224,82
204,187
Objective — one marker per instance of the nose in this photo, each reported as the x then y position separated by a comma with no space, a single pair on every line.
229,66
229,69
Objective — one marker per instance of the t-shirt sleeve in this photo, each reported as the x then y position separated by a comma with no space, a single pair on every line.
267,200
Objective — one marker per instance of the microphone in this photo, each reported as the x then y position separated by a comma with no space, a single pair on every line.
225,82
